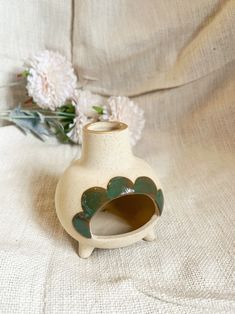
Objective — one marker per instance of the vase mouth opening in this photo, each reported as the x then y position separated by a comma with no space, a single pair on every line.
104,127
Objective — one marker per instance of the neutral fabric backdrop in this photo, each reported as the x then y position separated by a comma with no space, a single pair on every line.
183,52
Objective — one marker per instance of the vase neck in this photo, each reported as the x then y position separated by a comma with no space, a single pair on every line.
106,144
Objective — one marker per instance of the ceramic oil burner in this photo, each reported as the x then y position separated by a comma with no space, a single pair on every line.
109,198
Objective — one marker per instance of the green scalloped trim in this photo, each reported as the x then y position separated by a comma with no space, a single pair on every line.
95,197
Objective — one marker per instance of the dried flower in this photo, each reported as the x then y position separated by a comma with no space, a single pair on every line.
125,110
50,79
51,82
76,133
105,113
84,101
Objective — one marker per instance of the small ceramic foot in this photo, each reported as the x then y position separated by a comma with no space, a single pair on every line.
150,236
84,250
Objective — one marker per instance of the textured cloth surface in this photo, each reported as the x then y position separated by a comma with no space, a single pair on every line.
121,47
188,269
26,28
185,51
133,46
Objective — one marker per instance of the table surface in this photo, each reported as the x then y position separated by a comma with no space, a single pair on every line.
189,140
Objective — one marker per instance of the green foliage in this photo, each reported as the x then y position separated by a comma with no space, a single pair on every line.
57,128
42,122
68,108
99,110
25,73
29,122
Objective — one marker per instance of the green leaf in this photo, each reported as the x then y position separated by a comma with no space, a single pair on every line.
25,73
29,122
68,108
99,110
58,130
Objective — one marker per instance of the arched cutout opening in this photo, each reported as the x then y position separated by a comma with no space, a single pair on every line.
123,214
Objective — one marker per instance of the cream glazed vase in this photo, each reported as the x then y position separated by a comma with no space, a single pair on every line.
108,198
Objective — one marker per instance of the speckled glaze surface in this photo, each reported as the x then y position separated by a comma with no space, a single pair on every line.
106,154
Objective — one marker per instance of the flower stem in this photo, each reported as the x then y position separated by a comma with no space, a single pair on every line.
52,113
61,115
29,117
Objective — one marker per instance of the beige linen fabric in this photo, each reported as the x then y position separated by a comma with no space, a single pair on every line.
189,139
26,27
131,47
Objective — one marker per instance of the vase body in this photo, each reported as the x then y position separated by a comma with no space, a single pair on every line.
106,154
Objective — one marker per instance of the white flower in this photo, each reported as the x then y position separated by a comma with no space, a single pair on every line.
84,101
51,80
125,110
76,133
106,113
